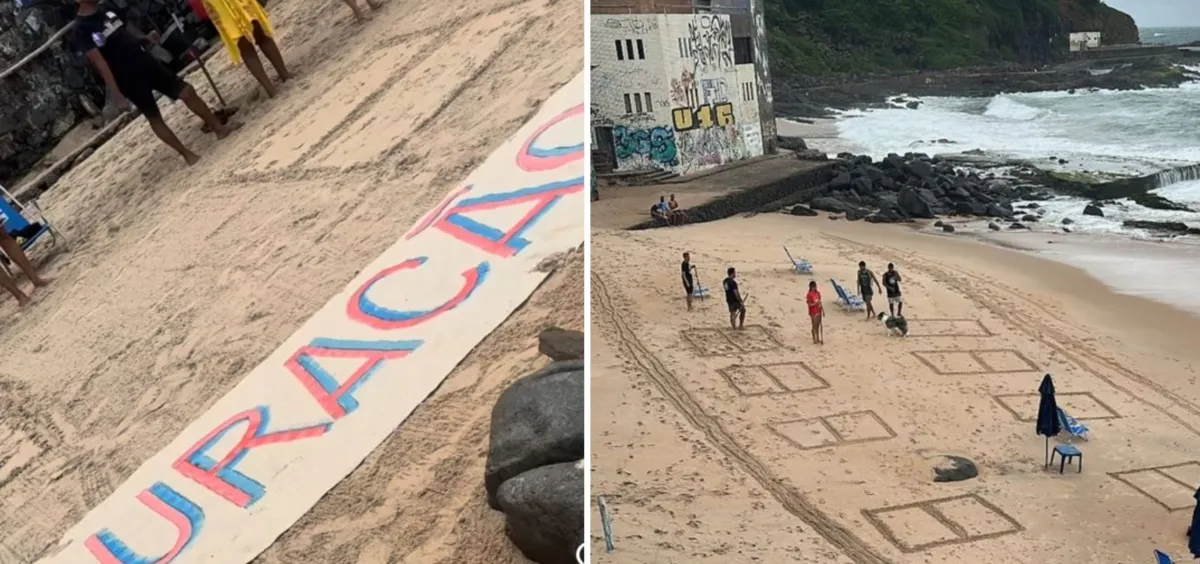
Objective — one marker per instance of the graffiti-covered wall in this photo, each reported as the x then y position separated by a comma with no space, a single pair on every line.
670,91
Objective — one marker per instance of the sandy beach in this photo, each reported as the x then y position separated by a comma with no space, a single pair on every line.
179,280
758,446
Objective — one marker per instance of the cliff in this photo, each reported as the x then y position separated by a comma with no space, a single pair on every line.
818,37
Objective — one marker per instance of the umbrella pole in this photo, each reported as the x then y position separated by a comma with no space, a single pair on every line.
211,83
1047,453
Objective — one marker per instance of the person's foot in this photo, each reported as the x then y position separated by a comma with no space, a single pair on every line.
227,129
22,300
41,282
374,5
191,158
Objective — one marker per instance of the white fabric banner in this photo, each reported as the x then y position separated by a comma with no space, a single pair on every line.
300,422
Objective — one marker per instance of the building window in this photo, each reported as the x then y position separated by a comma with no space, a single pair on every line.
620,53
649,107
641,52
625,49
743,50
748,91
637,102
628,105
685,48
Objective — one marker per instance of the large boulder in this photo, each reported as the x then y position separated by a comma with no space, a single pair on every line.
544,508
826,203
954,469
538,420
1092,209
792,143
913,204
920,169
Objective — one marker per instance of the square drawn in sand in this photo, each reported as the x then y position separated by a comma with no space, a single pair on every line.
1081,405
18,453
986,361
919,327
1173,486
723,342
772,379
923,525
854,427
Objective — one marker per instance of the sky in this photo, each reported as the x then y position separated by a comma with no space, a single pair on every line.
1160,13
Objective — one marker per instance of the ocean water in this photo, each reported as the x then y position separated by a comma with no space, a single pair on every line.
1169,35
1102,132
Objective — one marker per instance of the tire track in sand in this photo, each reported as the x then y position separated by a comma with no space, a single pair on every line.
986,293
793,501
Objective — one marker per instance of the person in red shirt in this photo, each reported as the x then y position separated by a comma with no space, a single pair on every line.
816,311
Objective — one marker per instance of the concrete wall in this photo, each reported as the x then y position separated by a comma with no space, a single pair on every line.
704,109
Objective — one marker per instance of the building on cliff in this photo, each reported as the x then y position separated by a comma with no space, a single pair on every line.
679,85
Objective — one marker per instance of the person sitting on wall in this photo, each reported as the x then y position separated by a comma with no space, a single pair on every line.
661,210
676,216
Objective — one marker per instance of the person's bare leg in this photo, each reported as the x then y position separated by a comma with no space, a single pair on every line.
13,249
271,50
733,320
689,301
11,286
900,309
255,66
196,104
160,128
814,330
742,318
358,13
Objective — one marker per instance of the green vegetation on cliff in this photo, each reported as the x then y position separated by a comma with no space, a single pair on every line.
811,37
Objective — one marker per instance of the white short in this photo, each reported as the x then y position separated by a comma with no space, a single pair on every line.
896,300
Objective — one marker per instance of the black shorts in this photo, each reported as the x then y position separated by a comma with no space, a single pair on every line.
866,296
689,287
139,85
734,307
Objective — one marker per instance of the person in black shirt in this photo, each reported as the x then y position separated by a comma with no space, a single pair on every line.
737,308
685,271
891,283
114,48
865,278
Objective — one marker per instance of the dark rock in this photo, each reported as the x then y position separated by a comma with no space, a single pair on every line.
1066,230
829,204
919,168
855,214
938,223
1029,218
993,226
954,469
914,104
544,510
913,205
1067,221
887,183
1093,209
948,228
1154,201
874,174
804,211
1161,226
1017,225
538,420
842,181
792,143
561,344
997,210
863,184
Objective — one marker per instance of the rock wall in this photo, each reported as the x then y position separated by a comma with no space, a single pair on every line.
43,100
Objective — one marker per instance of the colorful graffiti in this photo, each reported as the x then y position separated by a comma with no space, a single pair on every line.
710,41
404,323
656,144
702,148
707,116
683,90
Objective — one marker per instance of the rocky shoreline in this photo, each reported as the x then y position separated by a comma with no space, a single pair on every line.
816,97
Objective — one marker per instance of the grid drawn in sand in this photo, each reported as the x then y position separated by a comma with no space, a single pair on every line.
923,525
772,379
839,429
920,327
1081,405
1172,486
723,342
979,361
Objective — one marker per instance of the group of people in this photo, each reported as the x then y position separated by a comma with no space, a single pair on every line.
117,50
668,211
736,301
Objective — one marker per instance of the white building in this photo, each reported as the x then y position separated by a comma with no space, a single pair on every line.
1083,41
675,92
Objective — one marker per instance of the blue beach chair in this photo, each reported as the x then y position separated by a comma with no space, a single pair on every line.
801,266
1072,426
1161,558
17,223
845,299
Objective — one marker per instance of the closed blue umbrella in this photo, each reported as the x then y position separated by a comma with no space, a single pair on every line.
1048,423
1194,530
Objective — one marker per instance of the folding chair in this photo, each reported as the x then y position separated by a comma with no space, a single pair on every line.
17,223
801,266
845,299
1161,558
1071,426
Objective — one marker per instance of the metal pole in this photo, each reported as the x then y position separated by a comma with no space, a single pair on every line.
45,46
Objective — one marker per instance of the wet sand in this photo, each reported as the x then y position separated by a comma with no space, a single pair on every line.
758,446
180,280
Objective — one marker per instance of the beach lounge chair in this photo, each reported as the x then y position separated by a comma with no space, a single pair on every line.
700,292
845,299
25,222
1161,558
801,266
1072,426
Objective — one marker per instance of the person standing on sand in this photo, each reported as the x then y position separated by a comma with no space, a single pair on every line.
133,75
13,250
865,278
239,21
816,312
737,306
891,283
685,271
